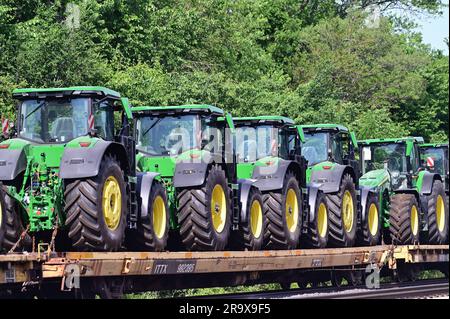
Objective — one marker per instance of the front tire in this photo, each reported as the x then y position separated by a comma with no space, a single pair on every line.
284,215
404,219
251,233
342,214
437,215
205,213
96,209
153,230
317,232
370,232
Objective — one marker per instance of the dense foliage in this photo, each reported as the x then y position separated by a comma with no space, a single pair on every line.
312,60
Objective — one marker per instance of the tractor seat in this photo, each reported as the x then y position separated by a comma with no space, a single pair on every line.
63,129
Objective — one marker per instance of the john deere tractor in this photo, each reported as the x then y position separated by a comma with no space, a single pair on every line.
332,183
67,169
268,150
411,204
434,157
188,151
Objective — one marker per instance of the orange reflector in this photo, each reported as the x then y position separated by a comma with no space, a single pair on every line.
195,155
326,167
85,144
4,146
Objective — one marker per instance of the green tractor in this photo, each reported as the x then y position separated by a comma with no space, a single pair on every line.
188,151
268,151
332,184
67,169
434,157
410,205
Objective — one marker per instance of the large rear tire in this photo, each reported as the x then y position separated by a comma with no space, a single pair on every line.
317,232
404,219
283,211
11,226
96,209
342,214
437,215
153,230
370,232
250,235
205,213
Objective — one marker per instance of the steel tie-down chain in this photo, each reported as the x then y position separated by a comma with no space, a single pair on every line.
22,236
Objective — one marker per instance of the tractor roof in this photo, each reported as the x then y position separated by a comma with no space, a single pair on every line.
324,127
72,90
391,140
197,108
263,119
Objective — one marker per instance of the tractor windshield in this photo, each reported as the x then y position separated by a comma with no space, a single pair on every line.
173,135
379,156
256,142
314,149
54,121
433,159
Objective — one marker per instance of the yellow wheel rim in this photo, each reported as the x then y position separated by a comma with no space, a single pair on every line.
440,213
218,208
347,211
159,217
414,220
112,202
256,219
373,219
322,220
291,210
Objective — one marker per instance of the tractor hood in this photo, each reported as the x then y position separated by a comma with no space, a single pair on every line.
323,166
245,170
375,178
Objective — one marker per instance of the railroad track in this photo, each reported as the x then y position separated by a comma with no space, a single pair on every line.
421,288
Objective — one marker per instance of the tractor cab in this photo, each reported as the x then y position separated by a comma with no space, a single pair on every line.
58,116
265,139
399,157
328,144
434,157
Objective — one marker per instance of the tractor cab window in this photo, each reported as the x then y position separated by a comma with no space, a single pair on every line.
55,120
314,149
288,143
104,122
415,160
340,147
256,142
390,156
168,135
213,134
433,159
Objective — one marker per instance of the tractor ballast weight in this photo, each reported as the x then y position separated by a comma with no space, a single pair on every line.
187,168
66,141
332,177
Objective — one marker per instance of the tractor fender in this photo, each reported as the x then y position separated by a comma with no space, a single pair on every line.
245,186
330,180
313,193
85,162
270,178
365,193
12,163
190,174
427,183
144,189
